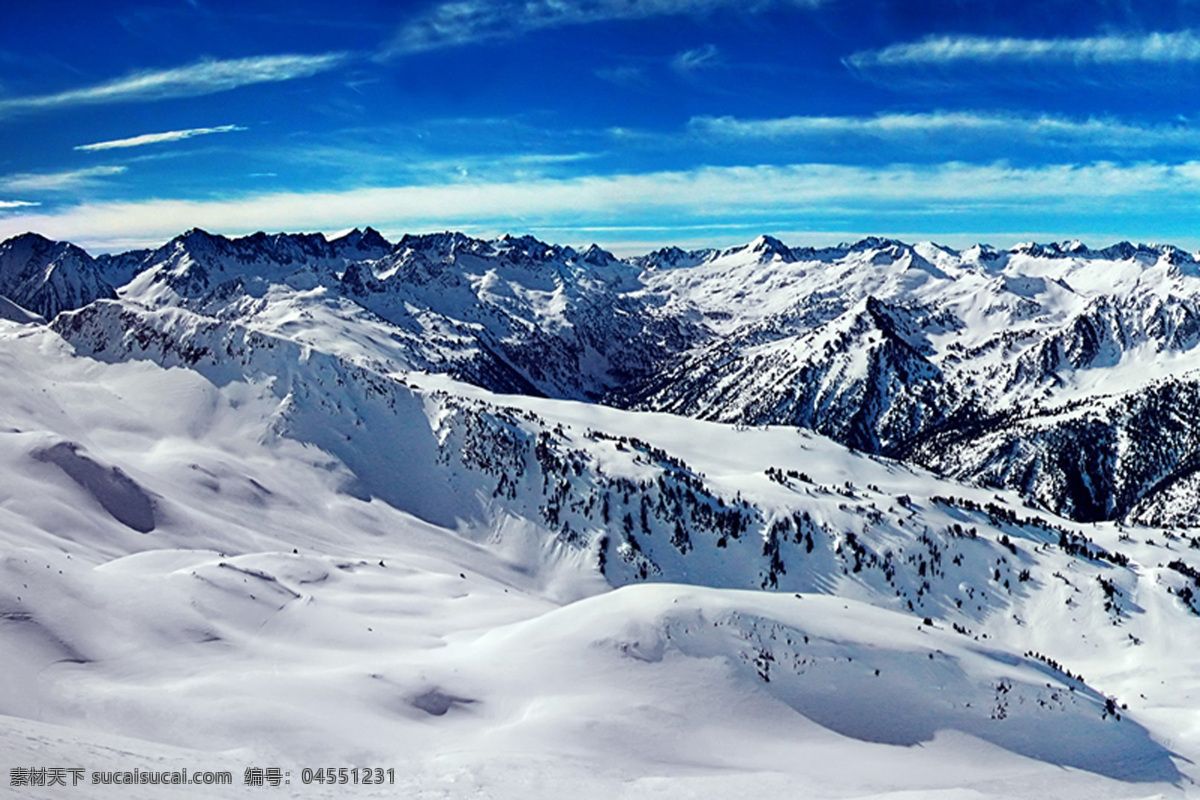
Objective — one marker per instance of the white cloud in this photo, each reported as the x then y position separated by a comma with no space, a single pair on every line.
1039,130
17,204
459,22
205,77
1153,49
547,158
155,138
709,195
55,181
699,58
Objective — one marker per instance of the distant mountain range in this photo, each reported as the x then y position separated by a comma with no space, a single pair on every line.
1066,373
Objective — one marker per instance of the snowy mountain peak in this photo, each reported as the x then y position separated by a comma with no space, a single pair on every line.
673,258
770,245
982,254
526,249
766,248
441,246
197,262
597,256
196,238
36,246
365,239
28,241
1125,251
47,277
1037,250
1173,255
361,245
872,243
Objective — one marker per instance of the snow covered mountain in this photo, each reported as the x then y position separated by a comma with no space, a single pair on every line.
501,511
977,363
48,277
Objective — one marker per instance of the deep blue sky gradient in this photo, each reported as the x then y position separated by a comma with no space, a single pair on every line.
628,122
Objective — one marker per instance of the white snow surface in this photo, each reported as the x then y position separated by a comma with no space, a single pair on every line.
262,533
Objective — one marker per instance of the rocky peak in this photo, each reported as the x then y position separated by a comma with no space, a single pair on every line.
47,277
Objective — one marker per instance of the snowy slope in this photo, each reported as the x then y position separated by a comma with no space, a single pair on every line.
238,616
255,516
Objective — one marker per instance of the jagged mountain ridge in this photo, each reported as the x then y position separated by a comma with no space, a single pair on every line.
47,277
914,351
1026,332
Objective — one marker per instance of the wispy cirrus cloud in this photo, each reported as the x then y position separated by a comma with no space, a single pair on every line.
1152,48
459,22
17,204
699,58
193,80
946,195
1042,130
156,138
56,181
1157,62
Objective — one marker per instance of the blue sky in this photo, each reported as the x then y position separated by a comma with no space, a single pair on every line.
632,123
